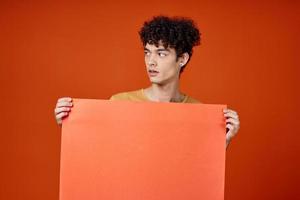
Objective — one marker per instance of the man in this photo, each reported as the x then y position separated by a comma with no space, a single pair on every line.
168,46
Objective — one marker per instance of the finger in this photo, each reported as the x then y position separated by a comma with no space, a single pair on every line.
233,121
69,99
232,131
229,111
64,104
229,126
229,133
61,109
233,115
61,115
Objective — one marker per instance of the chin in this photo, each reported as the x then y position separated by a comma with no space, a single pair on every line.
154,81
157,82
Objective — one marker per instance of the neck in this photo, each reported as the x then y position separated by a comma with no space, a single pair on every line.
164,93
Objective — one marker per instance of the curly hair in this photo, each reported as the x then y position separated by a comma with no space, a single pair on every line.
179,33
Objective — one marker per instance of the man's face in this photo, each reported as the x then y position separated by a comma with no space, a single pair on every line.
161,64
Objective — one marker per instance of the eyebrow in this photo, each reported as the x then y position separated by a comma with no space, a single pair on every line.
158,50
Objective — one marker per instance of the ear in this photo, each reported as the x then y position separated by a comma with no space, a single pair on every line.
183,59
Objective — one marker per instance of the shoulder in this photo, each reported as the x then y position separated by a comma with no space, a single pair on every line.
191,100
134,95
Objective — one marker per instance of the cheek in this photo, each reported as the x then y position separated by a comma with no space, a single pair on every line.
171,65
169,69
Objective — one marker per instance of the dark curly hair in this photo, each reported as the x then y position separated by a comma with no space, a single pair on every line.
179,33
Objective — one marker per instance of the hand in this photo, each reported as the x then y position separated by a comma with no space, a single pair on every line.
232,124
62,109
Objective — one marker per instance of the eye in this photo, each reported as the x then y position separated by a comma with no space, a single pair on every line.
146,53
162,54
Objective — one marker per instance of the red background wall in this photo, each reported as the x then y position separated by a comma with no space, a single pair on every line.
248,60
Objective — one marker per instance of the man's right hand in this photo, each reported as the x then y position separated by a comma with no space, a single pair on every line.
62,109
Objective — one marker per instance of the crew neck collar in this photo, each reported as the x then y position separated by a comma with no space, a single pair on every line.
145,97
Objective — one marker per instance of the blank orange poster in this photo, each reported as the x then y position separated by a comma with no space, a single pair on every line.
119,150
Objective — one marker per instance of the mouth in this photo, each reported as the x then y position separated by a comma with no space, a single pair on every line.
152,72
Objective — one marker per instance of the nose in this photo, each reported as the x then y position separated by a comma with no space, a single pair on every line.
151,60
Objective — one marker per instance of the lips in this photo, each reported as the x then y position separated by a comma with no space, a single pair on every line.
152,72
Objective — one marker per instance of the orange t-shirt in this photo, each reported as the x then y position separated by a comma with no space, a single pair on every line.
138,95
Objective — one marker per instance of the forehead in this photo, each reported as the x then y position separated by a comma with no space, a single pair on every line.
160,47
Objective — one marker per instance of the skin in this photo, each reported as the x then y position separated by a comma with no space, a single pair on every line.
164,86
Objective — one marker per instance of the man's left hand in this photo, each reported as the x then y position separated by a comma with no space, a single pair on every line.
232,124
